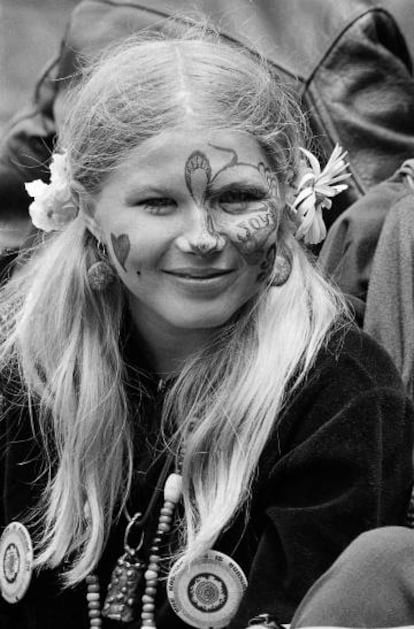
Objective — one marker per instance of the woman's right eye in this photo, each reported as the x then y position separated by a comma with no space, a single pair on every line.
158,205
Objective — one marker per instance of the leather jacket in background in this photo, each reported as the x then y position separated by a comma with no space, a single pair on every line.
346,59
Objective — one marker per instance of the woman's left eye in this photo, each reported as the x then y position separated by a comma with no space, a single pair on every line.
240,200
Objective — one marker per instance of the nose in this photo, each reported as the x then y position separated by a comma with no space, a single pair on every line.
200,235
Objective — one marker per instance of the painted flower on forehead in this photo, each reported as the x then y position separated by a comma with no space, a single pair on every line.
312,192
53,207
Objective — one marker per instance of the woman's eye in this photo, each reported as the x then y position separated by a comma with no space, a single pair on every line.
240,200
158,205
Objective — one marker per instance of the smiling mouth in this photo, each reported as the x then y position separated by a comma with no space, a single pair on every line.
199,274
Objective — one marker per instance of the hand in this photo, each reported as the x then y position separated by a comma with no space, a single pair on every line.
265,621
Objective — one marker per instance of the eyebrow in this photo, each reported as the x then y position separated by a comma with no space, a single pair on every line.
132,193
248,186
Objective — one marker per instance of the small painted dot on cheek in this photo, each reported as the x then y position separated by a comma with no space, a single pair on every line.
121,246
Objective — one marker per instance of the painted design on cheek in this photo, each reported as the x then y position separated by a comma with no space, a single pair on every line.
251,234
253,231
267,264
121,246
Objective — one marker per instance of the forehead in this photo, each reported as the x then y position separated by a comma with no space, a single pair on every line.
165,156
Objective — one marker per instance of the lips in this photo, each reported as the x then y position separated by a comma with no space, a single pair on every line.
198,273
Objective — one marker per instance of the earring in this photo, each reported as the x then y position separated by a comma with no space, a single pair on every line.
282,268
100,273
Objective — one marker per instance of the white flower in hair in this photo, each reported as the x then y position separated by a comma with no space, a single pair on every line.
314,189
53,206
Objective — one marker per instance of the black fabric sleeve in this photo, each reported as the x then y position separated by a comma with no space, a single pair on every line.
345,468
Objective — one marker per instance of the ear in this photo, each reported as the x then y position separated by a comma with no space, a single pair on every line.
87,213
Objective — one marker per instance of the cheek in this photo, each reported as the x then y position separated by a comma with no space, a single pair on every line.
253,235
267,263
131,254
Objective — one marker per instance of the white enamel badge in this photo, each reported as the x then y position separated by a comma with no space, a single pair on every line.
207,594
16,562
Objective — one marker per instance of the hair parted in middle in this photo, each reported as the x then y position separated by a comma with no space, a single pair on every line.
66,339
150,84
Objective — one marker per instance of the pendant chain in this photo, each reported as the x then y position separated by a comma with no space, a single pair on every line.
121,599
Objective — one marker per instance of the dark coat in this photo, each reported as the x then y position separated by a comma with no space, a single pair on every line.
338,463
390,305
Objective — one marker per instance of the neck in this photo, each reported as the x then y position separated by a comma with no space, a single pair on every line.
169,347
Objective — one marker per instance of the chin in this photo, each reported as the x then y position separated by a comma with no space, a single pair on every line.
203,322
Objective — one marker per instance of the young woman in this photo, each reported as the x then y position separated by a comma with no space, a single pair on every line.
192,429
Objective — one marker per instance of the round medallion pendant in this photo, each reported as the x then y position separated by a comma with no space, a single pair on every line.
207,594
16,562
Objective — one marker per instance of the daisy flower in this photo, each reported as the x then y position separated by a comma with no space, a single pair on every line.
314,189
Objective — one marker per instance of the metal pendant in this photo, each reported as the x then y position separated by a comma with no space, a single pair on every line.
208,593
121,598
16,562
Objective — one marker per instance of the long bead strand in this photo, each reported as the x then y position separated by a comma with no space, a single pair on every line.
93,596
172,495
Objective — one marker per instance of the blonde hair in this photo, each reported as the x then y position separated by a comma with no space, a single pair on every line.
66,339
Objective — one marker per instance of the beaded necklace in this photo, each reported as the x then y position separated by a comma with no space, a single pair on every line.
121,597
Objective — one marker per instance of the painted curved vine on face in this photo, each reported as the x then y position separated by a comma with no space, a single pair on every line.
121,246
267,264
258,245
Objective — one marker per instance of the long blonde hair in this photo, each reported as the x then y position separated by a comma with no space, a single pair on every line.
66,339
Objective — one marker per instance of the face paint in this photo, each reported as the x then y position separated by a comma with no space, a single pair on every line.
260,221
253,233
266,266
121,246
191,219
197,175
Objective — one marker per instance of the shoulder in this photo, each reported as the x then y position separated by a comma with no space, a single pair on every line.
352,359
352,391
